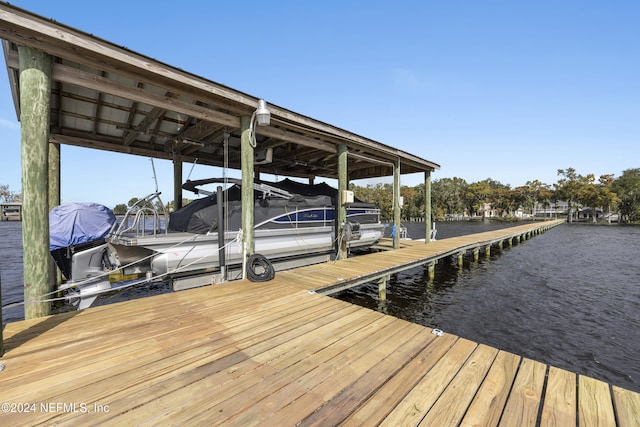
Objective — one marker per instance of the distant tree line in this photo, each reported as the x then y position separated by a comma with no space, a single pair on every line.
452,197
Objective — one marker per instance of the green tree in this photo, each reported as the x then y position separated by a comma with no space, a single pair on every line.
537,192
447,197
481,192
120,209
380,194
627,188
608,197
568,188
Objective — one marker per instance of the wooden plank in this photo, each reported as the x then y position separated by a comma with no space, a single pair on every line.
412,409
380,404
217,381
454,401
595,405
361,389
318,385
486,408
627,404
560,399
523,403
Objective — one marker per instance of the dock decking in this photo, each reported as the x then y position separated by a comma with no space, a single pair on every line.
274,353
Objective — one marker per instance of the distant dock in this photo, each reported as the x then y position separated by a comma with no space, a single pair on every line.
11,211
280,353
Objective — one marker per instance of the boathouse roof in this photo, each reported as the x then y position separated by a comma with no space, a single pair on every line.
110,98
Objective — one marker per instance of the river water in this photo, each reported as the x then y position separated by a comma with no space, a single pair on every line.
569,297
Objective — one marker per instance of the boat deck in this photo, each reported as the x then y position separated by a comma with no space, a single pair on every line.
274,353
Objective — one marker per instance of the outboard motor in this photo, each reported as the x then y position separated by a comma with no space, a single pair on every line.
77,244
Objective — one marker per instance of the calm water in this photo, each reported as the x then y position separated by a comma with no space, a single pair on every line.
569,297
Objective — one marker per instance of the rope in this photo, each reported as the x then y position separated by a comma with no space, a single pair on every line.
257,260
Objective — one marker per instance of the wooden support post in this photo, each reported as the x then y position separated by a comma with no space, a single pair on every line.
177,183
500,244
476,254
343,183
396,204
510,241
35,96
460,259
246,153
382,287
431,270
54,200
487,251
54,175
427,206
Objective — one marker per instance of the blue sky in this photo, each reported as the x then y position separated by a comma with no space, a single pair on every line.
508,90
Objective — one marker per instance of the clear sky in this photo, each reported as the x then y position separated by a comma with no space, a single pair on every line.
508,90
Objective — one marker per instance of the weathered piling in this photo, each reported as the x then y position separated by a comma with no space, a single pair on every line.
246,152
427,207
342,186
35,95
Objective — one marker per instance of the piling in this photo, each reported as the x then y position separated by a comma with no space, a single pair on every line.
342,187
35,96
246,152
427,207
382,287
431,270
396,205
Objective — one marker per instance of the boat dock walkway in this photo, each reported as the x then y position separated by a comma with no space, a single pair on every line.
276,353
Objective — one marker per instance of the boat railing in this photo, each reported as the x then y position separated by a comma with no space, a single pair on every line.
135,221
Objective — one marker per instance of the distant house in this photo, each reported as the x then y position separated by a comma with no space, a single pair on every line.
552,209
587,213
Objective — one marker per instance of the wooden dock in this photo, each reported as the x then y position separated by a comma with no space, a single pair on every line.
277,353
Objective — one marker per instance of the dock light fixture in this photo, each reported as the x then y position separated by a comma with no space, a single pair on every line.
260,117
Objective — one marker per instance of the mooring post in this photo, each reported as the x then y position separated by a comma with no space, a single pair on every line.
382,287
35,97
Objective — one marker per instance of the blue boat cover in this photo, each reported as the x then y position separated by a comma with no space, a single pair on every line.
76,223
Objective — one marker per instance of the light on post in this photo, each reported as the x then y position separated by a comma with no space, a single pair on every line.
260,117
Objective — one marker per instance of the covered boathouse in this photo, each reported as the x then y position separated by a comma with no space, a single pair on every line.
70,87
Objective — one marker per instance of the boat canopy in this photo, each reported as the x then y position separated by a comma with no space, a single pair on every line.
200,216
75,223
